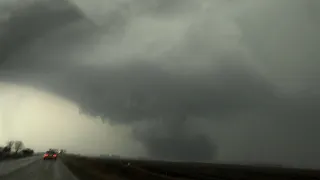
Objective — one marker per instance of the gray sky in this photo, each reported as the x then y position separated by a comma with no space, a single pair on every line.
233,81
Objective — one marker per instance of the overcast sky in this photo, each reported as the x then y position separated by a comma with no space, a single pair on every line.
232,81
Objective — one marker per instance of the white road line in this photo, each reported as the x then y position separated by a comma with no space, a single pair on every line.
56,171
47,166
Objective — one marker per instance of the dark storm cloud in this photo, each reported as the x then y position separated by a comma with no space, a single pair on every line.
141,91
211,73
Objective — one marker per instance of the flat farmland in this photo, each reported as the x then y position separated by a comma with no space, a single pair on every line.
125,169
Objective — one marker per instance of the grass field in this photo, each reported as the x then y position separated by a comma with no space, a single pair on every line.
115,169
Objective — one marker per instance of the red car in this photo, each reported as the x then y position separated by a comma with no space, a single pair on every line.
50,155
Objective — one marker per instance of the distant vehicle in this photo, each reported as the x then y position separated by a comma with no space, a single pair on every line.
50,155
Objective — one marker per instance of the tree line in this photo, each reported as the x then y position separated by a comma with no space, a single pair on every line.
15,149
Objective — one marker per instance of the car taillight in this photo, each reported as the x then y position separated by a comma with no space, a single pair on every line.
54,155
45,154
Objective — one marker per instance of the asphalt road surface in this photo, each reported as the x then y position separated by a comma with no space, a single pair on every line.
41,170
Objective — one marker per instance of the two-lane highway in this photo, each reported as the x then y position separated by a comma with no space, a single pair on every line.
41,170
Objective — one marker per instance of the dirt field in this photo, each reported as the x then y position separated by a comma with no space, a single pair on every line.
116,169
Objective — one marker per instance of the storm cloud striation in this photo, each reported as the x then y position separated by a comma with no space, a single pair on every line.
178,72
